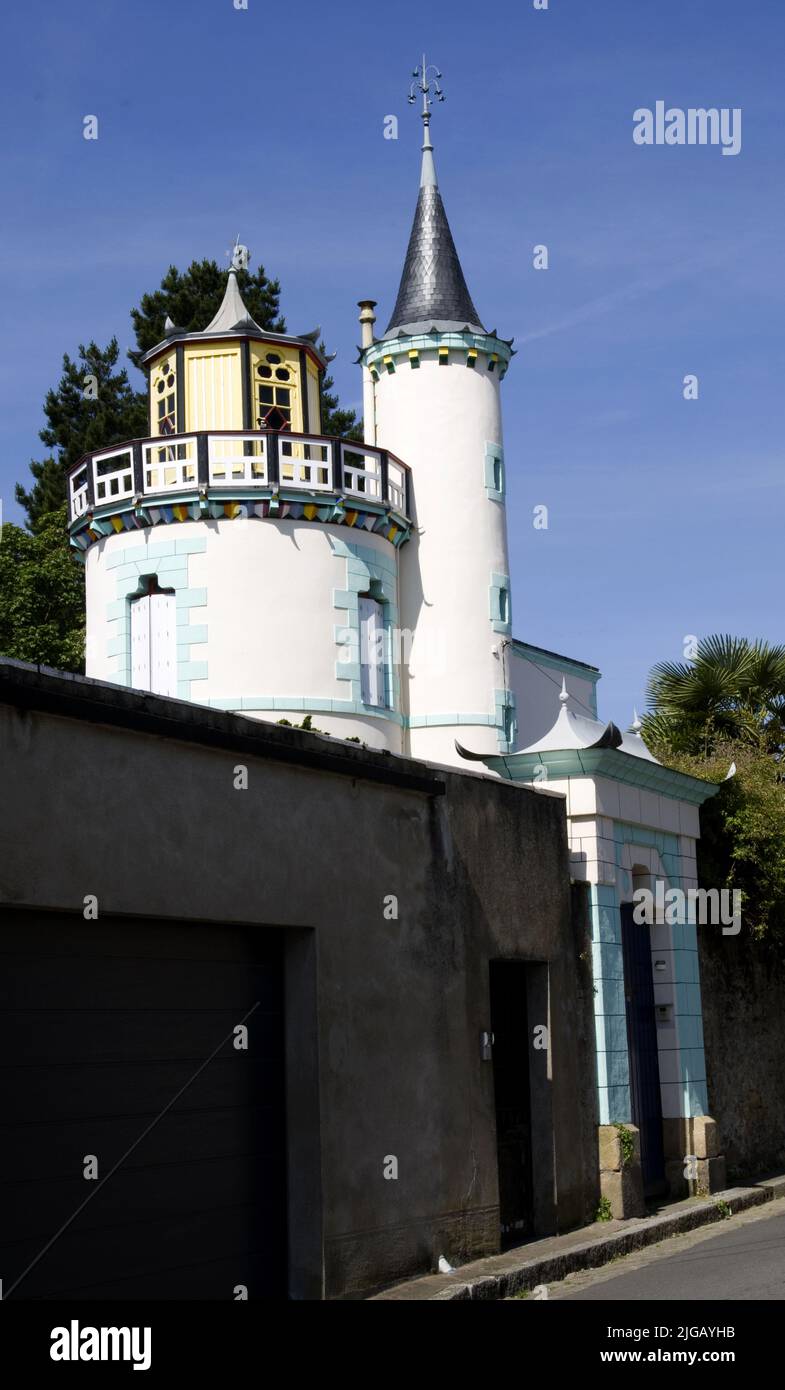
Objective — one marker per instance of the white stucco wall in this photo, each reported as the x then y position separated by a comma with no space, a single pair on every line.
261,598
536,683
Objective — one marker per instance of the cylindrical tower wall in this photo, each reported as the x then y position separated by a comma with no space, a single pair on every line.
266,613
444,418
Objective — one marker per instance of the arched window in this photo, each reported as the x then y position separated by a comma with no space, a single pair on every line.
154,640
372,647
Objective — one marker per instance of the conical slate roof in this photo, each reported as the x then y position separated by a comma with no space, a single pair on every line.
433,291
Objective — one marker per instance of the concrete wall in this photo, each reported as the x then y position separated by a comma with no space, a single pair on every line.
743,990
132,798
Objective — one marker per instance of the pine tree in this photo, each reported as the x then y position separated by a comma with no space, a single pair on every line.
93,407
335,419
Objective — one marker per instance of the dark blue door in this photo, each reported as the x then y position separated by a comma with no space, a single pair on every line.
642,1044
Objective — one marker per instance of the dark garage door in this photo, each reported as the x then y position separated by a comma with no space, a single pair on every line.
101,1025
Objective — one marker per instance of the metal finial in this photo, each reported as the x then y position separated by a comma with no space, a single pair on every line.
424,84
239,256
636,724
564,693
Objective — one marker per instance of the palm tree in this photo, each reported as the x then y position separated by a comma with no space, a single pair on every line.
733,692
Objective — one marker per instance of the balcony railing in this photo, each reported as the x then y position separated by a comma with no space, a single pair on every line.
225,461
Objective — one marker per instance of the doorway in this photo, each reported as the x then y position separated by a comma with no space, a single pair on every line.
642,1048
512,1093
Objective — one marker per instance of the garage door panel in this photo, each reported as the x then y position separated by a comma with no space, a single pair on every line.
56,1149
90,1035
211,1279
127,982
89,1093
81,1259
101,1029
35,1210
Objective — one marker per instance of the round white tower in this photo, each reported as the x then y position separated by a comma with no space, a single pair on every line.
436,374
237,557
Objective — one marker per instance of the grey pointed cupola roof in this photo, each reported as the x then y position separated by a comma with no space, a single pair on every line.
234,320
232,313
433,292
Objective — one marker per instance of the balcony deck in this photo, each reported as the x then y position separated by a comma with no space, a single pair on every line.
213,474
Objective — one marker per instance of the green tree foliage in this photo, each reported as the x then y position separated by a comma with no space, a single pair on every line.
41,595
336,420
728,707
193,297
734,691
93,406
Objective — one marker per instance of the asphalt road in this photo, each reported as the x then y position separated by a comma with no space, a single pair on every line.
743,1258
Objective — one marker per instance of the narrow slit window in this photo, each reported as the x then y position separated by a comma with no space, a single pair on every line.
372,639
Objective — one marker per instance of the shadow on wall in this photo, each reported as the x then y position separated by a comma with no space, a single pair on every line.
743,992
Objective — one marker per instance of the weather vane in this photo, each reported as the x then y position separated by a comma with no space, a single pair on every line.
240,255
424,84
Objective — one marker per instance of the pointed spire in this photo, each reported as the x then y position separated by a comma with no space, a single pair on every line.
433,292
233,312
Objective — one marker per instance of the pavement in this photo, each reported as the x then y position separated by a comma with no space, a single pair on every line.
742,1259
549,1261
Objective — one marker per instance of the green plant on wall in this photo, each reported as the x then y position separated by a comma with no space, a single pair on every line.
627,1143
604,1211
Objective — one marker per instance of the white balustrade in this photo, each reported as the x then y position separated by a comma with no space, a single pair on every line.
170,467
362,471
396,484
305,462
79,492
113,475
237,458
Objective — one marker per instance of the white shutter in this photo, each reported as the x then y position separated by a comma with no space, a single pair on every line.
163,646
371,652
140,644
154,644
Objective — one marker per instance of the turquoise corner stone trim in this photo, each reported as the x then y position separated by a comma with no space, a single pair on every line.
367,571
494,473
610,1018
320,704
506,719
168,561
500,604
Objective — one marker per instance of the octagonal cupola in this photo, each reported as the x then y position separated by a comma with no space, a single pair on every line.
233,374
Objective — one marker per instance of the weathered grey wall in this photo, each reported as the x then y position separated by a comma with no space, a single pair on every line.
743,992
154,827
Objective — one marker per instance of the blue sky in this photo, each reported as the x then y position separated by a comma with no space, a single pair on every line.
665,516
